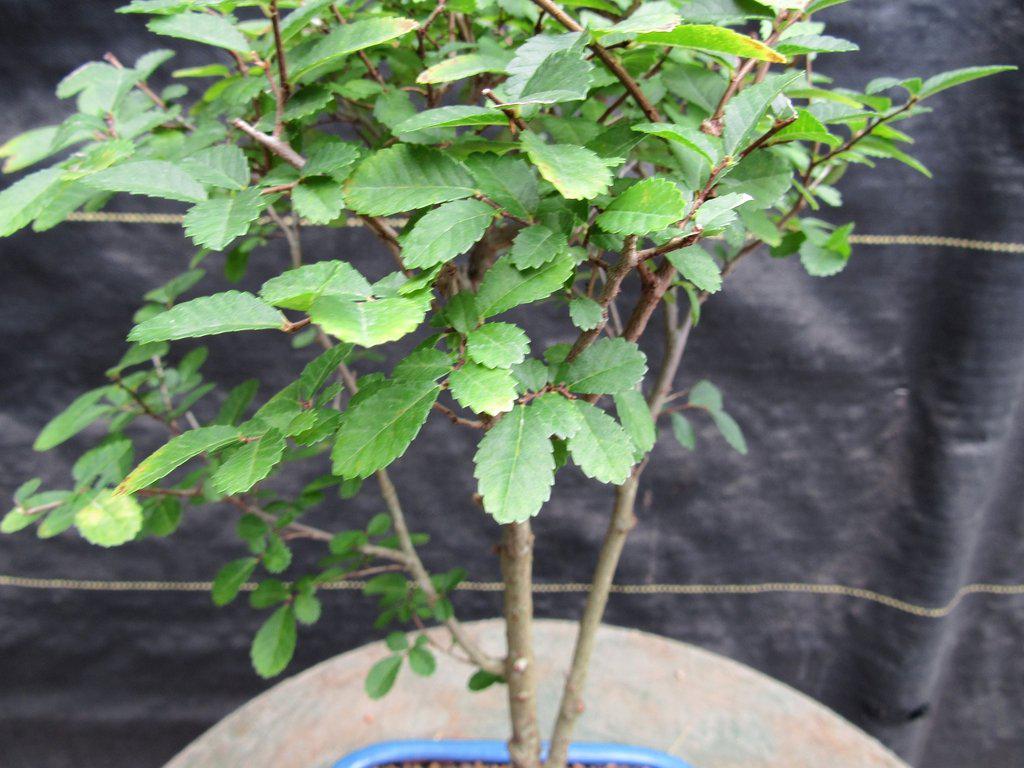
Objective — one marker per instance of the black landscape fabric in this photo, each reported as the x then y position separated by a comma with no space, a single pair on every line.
883,409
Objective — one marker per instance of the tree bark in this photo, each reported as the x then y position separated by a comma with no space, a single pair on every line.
520,669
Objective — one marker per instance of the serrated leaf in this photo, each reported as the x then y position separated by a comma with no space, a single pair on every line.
683,431
515,468
745,110
24,200
497,345
459,67
222,166
153,178
230,578
329,156
798,45
637,420
648,17
531,54
445,232
176,452
647,206
405,177
559,416
807,127
298,288
274,643
379,428
697,266
938,83
537,245
351,38
605,367
577,173
691,138
600,448
586,314
382,676
451,117
109,519
562,76
765,176
206,28
508,181
823,254
298,19
215,223
307,608
505,287
249,464
719,212
82,412
220,313
708,37
368,323
319,200
483,390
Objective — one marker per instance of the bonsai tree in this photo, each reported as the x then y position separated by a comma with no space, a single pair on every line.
615,160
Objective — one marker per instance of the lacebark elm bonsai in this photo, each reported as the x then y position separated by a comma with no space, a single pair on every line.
617,160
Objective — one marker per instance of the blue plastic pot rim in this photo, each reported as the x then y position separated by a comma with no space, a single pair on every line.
493,751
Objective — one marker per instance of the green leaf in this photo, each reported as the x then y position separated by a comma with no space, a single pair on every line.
508,181
941,82
422,661
823,254
708,37
82,412
683,431
382,675
706,395
497,345
807,127
230,578
537,245
577,173
648,17
24,200
368,323
329,156
220,313
465,65
637,420
379,428
719,212
586,313
277,556
28,148
107,463
730,431
798,45
249,464
298,288
222,166
109,519
601,448
483,390
351,38
765,176
215,223
559,416
307,608
515,468
404,177
319,200
691,138
153,178
206,28
647,206
505,287
562,76
274,643
482,679
697,266
745,110
451,117
176,452
445,232
605,367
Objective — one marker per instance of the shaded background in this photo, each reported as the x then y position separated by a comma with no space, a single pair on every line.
883,410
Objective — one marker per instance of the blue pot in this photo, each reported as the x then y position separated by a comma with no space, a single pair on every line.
486,751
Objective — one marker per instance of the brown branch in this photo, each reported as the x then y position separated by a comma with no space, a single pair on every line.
280,148
456,419
282,68
515,120
606,57
520,664
626,263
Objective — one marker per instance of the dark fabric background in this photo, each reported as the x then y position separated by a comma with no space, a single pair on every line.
883,409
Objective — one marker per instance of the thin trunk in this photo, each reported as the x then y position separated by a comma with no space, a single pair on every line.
520,669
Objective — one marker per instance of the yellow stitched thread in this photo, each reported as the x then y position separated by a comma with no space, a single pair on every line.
933,241
790,587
